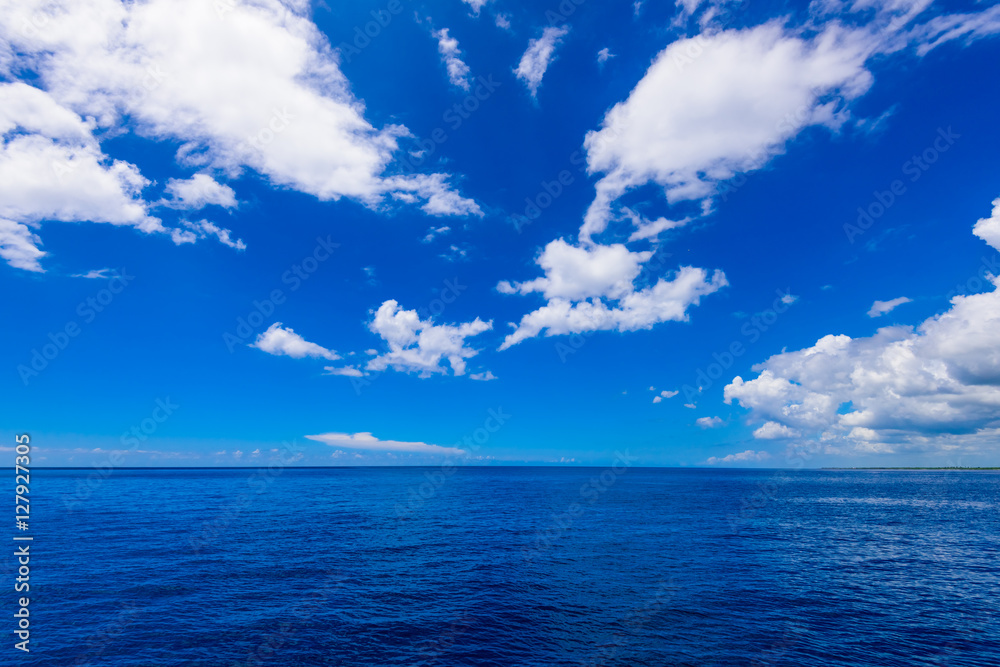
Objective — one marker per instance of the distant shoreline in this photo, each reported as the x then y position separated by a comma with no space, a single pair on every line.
918,468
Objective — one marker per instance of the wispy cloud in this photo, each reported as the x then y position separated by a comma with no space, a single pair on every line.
369,442
880,308
537,57
451,56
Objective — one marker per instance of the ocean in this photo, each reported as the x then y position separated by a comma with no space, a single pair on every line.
511,566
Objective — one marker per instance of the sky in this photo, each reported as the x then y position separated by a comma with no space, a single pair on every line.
701,233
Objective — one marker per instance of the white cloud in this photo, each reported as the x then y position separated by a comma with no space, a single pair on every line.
476,5
420,346
604,55
503,21
348,371
691,123
747,456
708,422
592,289
485,377
369,442
198,230
578,273
774,431
52,169
537,57
724,102
967,27
663,394
439,198
19,246
235,85
933,387
988,229
435,231
451,56
102,274
880,308
199,191
278,340
646,229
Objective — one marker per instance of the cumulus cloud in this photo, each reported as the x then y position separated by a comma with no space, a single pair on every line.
199,191
880,308
451,56
931,388
774,431
52,169
279,340
537,57
743,457
691,123
604,55
988,229
593,289
485,377
725,102
369,442
234,86
708,422
420,346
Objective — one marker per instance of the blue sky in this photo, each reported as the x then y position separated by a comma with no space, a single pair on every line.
492,232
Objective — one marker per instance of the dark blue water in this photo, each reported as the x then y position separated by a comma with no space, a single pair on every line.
513,566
